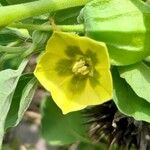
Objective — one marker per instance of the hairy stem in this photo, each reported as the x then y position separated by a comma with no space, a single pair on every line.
66,28
9,14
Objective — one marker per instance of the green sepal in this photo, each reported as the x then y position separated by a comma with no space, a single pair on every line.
124,26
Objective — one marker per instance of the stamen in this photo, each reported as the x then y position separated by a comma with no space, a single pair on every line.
80,67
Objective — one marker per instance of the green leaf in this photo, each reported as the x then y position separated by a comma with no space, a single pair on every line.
138,77
7,36
6,147
10,61
127,101
67,16
92,146
147,63
59,129
22,97
124,25
8,82
147,59
18,1
3,2
40,38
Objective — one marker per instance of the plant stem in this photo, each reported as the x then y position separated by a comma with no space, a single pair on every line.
66,28
29,51
9,14
12,50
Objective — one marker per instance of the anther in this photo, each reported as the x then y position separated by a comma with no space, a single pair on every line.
80,67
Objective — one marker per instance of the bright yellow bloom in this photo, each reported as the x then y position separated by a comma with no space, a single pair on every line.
76,70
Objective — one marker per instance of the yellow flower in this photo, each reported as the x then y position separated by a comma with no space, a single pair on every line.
76,70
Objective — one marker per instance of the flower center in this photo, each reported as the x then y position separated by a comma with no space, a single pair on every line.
82,67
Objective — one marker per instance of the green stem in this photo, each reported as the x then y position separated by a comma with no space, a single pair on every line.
66,28
9,14
12,50
5,57
29,51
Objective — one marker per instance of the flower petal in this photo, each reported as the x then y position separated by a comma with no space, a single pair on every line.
102,85
98,49
71,91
